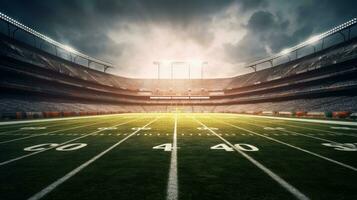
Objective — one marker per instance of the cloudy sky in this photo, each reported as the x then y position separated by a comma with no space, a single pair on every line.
225,33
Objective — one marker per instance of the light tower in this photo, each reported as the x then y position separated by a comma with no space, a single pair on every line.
202,64
158,68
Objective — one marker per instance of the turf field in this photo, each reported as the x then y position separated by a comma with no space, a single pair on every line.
178,156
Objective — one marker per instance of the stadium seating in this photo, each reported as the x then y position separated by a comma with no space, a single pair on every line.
35,81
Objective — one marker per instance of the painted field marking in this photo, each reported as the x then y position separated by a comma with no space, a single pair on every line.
141,128
55,131
310,136
342,146
12,131
33,128
56,119
69,175
165,147
107,128
272,128
67,147
343,128
266,170
221,147
204,128
293,132
29,128
52,126
315,129
241,146
172,184
302,120
331,133
295,147
68,141
325,125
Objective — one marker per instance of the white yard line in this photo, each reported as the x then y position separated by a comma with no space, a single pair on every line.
12,131
172,185
266,170
326,131
42,134
295,147
293,132
309,136
315,129
68,141
56,119
302,120
19,128
58,182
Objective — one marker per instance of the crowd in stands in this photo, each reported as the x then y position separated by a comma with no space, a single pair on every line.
78,88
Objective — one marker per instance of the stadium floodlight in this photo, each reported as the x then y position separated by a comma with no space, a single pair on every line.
69,49
158,68
285,51
313,39
19,25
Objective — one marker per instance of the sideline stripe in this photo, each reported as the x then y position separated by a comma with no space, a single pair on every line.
12,131
68,141
172,185
270,173
314,124
18,128
295,147
302,120
58,182
55,131
57,119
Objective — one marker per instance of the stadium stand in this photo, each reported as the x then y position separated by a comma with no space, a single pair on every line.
38,82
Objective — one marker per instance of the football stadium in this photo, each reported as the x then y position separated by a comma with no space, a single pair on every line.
135,100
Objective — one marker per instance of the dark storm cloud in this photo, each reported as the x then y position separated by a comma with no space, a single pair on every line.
80,22
284,24
261,26
265,32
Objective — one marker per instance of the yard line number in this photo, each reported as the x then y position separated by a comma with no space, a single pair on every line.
67,147
342,146
240,146
222,146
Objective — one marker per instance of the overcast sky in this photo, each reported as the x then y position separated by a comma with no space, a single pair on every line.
225,33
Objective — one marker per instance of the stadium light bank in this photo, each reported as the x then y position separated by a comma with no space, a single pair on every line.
314,39
35,34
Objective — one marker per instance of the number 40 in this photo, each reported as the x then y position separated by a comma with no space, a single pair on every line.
241,146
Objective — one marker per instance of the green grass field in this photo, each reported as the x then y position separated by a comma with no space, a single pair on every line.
178,156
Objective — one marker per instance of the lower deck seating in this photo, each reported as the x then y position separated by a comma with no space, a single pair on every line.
327,104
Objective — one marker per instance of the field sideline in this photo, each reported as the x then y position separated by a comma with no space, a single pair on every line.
178,156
